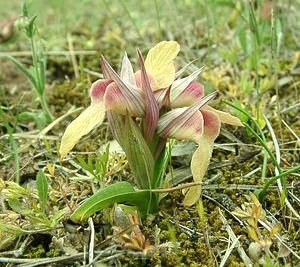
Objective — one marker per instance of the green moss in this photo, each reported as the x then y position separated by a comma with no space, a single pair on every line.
36,252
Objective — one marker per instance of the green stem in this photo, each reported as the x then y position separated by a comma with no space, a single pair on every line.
35,65
263,143
41,87
46,109
264,190
159,31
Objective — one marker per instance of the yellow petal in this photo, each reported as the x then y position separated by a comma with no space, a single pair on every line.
225,117
159,63
81,126
199,165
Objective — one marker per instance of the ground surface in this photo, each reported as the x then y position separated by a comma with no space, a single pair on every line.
238,58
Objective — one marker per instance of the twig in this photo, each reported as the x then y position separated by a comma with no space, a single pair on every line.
97,74
228,251
72,56
175,188
232,235
92,239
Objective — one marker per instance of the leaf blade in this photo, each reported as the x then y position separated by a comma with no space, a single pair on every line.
121,192
42,188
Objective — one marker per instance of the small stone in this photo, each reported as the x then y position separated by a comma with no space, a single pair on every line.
255,250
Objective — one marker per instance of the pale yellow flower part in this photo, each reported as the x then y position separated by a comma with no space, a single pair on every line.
225,117
81,126
159,63
199,166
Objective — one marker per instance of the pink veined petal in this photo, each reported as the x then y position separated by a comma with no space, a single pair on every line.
151,107
160,95
127,73
191,94
189,129
182,70
98,89
180,85
132,95
116,100
169,123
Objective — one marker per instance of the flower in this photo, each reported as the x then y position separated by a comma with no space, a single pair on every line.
168,107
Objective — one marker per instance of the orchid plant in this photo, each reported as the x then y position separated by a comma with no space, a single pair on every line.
144,109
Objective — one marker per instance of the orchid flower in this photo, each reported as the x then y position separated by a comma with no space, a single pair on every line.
157,106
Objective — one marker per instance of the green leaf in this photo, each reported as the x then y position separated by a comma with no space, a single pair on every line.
11,229
15,204
138,154
24,70
30,27
42,187
25,9
135,147
39,118
253,23
243,41
121,192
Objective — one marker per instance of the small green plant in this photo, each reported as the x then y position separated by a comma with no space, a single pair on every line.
254,215
145,109
96,165
26,210
36,73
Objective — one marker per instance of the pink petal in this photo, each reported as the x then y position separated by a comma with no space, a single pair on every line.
180,85
132,95
191,94
212,124
98,89
138,79
170,125
159,95
169,122
116,100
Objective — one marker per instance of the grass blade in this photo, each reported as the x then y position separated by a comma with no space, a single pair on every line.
25,71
